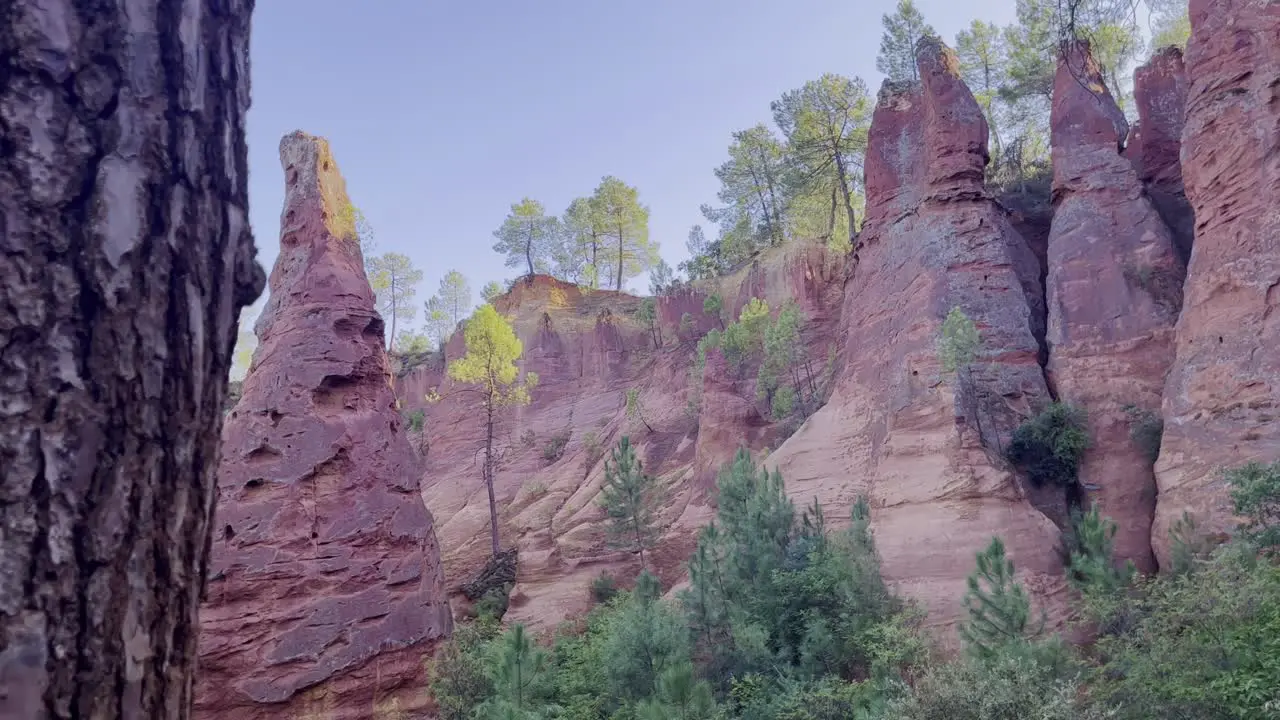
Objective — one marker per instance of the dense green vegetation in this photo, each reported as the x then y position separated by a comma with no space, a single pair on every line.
786,618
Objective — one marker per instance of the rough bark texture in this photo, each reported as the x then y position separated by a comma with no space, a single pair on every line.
1114,287
325,591
1222,399
125,257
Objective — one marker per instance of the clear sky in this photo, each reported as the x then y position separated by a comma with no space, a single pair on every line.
441,113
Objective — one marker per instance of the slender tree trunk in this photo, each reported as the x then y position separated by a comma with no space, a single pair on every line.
595,263
125,258
831,217
765,207
621,244
528,248
395,310
488,477
848,196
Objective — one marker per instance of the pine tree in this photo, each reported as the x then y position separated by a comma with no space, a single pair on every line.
490,367
646,638
623,223
526,236
1092,569
519,673
455,294
630,501
999,608
826,123
903,31
491,290
680,696
395,281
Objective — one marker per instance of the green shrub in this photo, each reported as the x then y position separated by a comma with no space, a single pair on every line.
416,420
591,444
457,670
1255,491
1049,447
604,588
555,446
713,306
1146,429
528,438
1008,686
1203,644
493,604
536,491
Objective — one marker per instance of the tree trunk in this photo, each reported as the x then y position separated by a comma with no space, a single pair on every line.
595,264
848,196
125,258
528,249
621,243
488,477
391,290
831,217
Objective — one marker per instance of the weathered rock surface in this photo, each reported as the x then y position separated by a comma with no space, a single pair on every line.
1160,93
325,588
1114,288
588,348
1220,401
896,428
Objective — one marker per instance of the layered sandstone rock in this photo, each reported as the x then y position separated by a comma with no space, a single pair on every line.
1114,288
924,447
1160,93
589,348
325,588
1220,401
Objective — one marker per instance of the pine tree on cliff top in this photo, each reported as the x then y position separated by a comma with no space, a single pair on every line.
630,500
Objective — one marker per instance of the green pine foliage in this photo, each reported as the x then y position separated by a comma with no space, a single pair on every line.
630,500
786,617
1255,490
1049,446
998,608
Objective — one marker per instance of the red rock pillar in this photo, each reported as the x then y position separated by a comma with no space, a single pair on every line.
1114,288
1222,399
1160,92
325,589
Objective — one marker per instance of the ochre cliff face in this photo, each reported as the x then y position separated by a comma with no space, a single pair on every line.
325,587
924,445
1220,401
1114,289
588,348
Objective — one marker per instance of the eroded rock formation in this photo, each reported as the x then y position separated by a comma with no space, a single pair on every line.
325,587
1114,289
1220,401
922,444
1160,92
588,348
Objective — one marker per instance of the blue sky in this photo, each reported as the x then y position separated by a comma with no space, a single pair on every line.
442,113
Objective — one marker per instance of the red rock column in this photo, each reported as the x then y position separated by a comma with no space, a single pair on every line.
1160,92
325,590
924,450
1114,288
1221,400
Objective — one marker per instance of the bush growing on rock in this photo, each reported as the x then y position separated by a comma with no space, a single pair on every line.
1049,447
